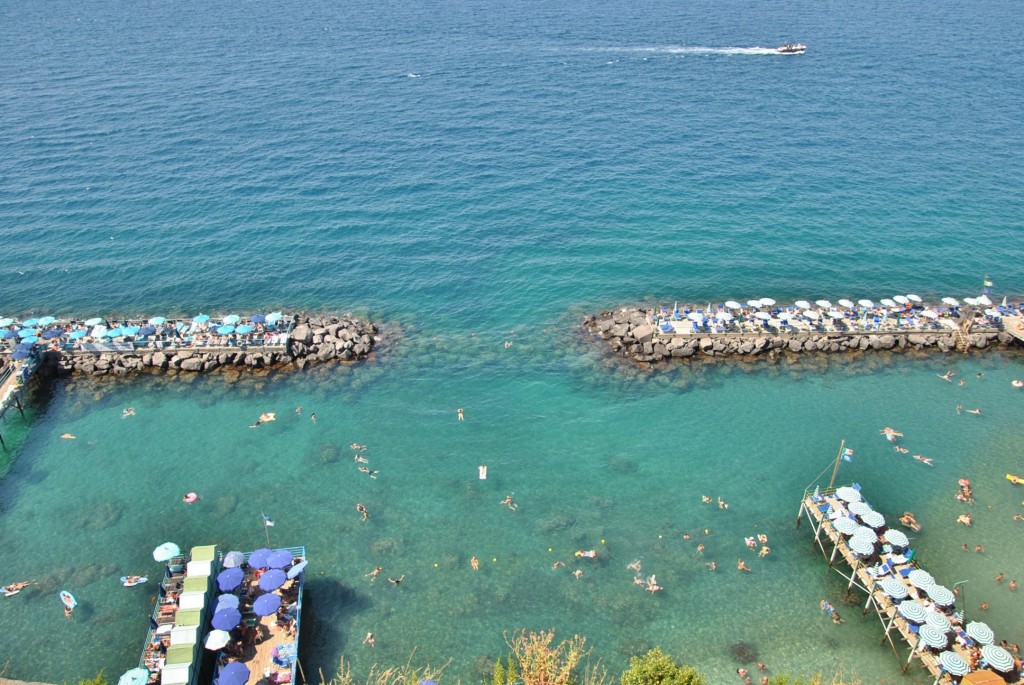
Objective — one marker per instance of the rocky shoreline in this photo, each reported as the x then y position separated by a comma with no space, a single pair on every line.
630,334
317,340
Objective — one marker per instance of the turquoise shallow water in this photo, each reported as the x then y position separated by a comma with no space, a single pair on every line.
466,170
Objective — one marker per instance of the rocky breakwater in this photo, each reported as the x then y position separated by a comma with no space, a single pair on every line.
631,334
315,341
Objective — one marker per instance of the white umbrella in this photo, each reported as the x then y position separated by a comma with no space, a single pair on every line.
866,534
836,314
980,632
767,301
921,578
724,316
912,611
939,621
846,303
914,298
941,595
166,551
764,316
217,639
930,313
784,316
848,494
951,301
803,304
932,637
824,304
733,304
971,301
901,299
860,508
954,664
694,316
896,538
861,546
866,303
997,658
846,526
754,303
873,519
893,588
993,312
983,300
811,314
887,302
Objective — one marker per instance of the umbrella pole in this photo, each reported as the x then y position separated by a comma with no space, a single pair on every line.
301,672
835,469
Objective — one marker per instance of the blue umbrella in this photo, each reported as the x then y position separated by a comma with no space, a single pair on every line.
297,568
279,558
75,335
147,330
258,559
272,579
46,320
26,332
266,604
226,602
225,330
95,321
131,330
244,328
136,676
31,340
30,322
157,320
232,319
52,333
233,559
226,619
8,334
258,318
230,578
166,552
18,355
115,332
235,673
274,317
202,318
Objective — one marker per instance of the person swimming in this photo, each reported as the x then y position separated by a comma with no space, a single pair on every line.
508,501
588,554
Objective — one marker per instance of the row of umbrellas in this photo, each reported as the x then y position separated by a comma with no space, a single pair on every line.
230,320
896,301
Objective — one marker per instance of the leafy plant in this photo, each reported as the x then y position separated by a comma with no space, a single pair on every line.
541,663
658,668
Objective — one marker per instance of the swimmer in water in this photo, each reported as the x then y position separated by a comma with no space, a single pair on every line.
974,411
372,575
924,460
901,450
130,411
474,563
578,573
589,554
509,502
369,639
948,376
462,416
361,508
740,566
398,580
965,519
360,459
557,565
357,446
705,499
635,566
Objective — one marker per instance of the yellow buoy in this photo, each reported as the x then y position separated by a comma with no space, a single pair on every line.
602,541
435,565
494,559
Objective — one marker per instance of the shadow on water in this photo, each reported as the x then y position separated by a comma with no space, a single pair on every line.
328,605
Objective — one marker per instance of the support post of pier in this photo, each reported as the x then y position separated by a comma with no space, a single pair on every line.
17,403
2,443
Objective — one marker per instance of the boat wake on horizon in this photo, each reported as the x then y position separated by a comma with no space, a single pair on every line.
689,50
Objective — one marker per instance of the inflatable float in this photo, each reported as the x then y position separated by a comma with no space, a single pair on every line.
1016,480
68,599
190,498
127,583
11,593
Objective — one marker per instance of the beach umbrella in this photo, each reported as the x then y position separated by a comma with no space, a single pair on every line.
865,533
921,578
217,639
860,508
226,619
229,579
754,303
894,588
733,304
694,316
997,658
20,354
279,558
866,303
900,299
846,303
983,301
980,633
824,304
31,340
98,332
930,313
932,637
993,312
166,552
297,569
136,676
873,519
914,298
272,579
724,316
811,314
803,304
147,330
75,335
46,320
235,673
115,332
861,547
26,333
938,621
258,318
95,321
886,302
941,595
836,314
258,559
767,302
51,334
846,526
971,301
896,538
157,321
951,301
227,601
244,329
233,559
764,316
8,334
4,322
131,330
912,611
232,319
954,664
202,318
848,494
266,604
225,330
30,322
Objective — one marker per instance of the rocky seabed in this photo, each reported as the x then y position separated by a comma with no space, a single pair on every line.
314,342
630,334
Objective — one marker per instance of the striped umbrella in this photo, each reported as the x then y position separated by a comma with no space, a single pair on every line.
939,621
894,588
997,658
873,519
980,633
860,508
912,611
848,494
954,664
865,533
933,637
845,525
941,595
861,547
896,538
921,578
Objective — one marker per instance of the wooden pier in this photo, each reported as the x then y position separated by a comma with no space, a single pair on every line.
13,381
883,574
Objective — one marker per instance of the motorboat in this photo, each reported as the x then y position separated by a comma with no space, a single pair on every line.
791,49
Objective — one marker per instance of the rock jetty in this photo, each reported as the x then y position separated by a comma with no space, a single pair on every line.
630,334
316,340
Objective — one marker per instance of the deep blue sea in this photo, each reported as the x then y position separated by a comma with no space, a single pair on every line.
469,173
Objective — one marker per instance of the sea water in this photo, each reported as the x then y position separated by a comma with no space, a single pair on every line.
471,174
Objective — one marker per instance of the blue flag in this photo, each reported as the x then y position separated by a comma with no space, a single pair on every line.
847,454
267,521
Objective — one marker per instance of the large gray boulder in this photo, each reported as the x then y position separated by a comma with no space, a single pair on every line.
643,333
302,333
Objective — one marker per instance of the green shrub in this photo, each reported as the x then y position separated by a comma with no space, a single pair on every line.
658,668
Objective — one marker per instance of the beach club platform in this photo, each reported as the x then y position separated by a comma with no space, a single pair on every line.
913,609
